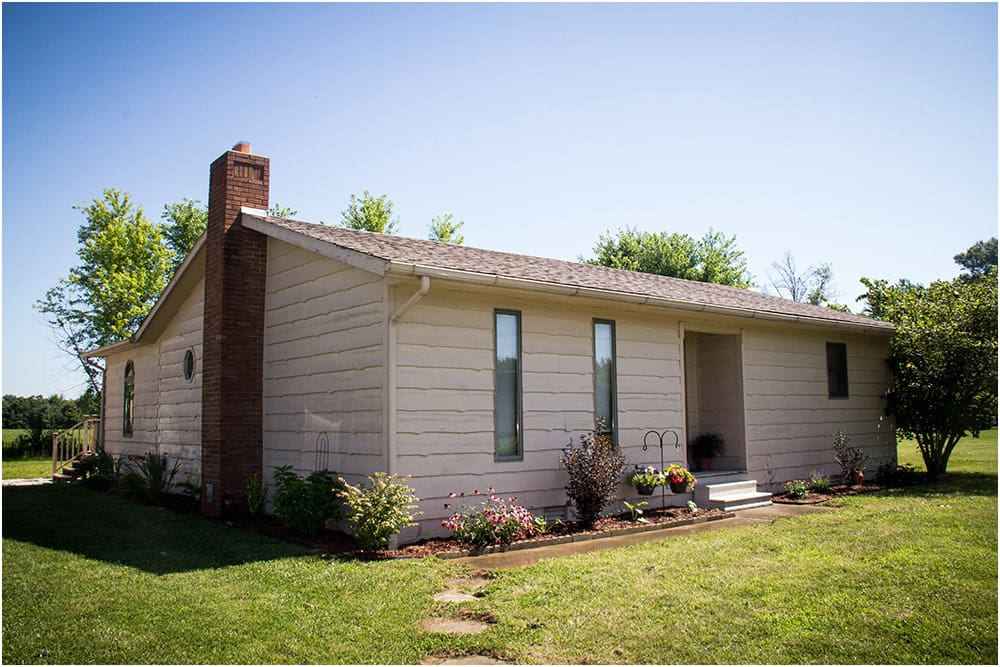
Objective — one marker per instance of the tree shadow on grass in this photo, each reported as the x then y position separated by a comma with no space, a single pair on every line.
964,483
112,530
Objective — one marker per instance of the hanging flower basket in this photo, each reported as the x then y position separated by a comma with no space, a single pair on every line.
680,478
645,480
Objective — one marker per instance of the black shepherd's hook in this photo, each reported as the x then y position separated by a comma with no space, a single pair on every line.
659,438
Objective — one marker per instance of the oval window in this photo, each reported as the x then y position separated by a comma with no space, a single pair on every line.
188,364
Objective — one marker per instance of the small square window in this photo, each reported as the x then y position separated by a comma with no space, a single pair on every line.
836,369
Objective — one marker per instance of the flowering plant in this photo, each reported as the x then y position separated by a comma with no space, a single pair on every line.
492,521
678,474
648,476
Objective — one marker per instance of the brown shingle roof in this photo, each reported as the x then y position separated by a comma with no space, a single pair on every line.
684,293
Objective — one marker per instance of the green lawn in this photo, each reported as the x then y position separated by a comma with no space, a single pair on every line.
905,576
970,455
17,468
27,468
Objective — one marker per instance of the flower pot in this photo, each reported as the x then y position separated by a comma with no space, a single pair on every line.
857,477
678,487
644,490
704,464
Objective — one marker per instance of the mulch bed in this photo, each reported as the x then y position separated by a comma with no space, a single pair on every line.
815,497
337,543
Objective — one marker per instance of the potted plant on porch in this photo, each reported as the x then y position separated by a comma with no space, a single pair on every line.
679,478
645,480
704,448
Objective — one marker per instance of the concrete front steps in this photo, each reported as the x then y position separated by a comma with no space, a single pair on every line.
737,495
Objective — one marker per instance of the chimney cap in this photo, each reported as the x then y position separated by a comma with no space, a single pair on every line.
242,147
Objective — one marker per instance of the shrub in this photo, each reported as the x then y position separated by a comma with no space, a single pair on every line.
107,465
36,442
820,482
493,521
595,469
148,479
304,504
256,491
890,474
707,446
851,459
797,488
379,511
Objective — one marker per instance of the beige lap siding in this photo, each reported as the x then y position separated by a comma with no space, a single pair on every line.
323,365
790,417
146,397
167,408
179,401
445,418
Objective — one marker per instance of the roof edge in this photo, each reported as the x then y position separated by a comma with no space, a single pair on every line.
251,218
178,277
404,269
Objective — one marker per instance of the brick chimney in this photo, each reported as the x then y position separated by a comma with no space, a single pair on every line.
233,364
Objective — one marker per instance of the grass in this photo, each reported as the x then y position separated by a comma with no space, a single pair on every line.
27,468
970,455
20,468
905,576
11,434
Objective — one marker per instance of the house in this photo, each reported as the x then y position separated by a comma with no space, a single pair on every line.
281,342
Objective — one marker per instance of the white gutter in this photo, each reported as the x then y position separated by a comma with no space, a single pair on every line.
391,379
425,285
492,280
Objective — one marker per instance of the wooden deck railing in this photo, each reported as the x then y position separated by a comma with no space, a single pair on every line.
68,445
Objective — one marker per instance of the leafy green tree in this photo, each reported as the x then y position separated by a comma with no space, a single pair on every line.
185,221
713,259
370,214
54,412
443,229
978,259
184,224
943,358
279,211
124,265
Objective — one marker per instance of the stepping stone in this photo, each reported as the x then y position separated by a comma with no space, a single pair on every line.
453,596
454,626
473,581
465,660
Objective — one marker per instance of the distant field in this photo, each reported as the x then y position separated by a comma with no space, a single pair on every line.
10,435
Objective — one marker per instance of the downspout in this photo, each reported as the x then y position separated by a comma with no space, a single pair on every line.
425,285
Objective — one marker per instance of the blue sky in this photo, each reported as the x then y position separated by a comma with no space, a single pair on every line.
860,135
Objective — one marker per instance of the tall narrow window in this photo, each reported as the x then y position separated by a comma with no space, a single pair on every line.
507,396
836,369
129,399
605,389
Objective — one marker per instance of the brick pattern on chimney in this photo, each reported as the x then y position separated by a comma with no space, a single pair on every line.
233,364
